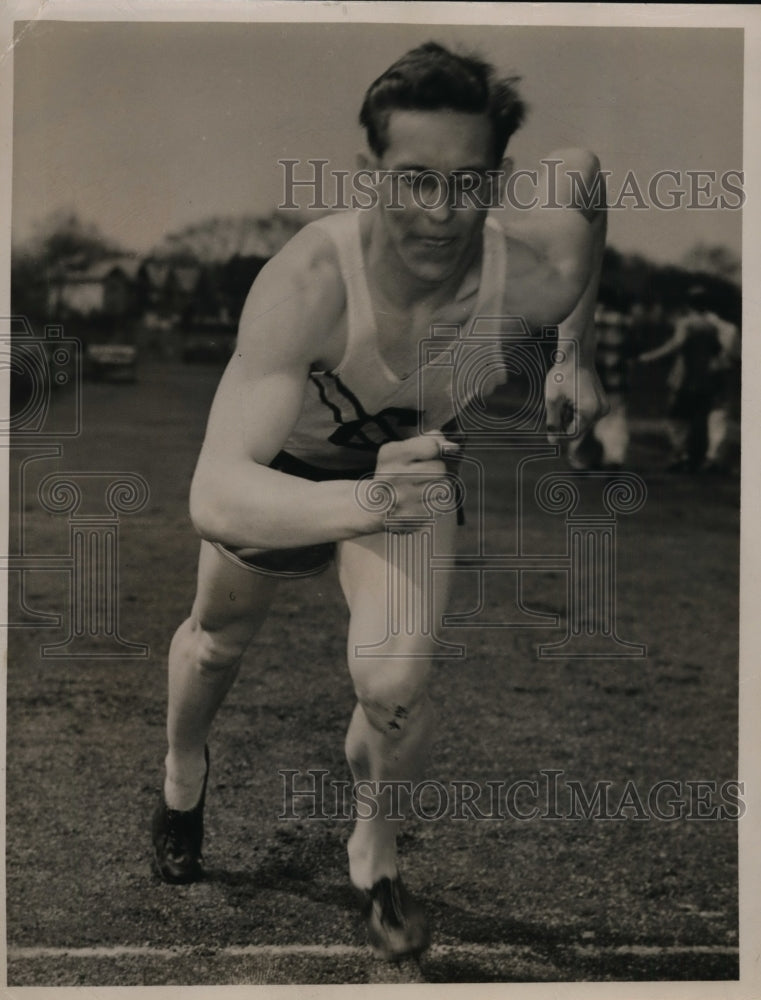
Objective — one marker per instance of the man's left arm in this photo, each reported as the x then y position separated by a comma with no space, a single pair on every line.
574,397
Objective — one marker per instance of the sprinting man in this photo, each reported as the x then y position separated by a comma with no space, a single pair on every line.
323,390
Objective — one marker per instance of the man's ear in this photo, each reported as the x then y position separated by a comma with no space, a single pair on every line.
369,165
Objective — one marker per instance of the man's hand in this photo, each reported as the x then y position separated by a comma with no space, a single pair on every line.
574,399
410,468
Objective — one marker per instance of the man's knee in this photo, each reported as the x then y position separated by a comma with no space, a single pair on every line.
393,696
218,650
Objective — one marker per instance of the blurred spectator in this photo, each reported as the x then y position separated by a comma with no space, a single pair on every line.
724,416
706,353
606,443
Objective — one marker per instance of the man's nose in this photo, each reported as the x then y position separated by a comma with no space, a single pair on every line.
442,212
435,196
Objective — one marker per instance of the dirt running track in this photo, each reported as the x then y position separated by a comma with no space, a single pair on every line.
512,899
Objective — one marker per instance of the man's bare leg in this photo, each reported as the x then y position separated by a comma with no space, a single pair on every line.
231,603
391,728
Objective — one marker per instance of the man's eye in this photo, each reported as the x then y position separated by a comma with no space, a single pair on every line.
467,180
430,181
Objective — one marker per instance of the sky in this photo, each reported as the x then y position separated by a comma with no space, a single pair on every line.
144,128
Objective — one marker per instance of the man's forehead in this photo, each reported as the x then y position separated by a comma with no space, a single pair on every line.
441,137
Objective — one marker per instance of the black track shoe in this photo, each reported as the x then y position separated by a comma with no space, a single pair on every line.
396,923
177,839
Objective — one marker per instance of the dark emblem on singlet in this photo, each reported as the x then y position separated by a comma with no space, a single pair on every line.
364,431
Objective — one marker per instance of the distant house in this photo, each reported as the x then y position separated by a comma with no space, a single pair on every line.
180,288
107,288
167,294
236,277
168,289
154,274
184,279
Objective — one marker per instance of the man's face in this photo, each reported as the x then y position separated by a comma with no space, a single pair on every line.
438,162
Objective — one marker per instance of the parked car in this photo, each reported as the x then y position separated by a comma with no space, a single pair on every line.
116,362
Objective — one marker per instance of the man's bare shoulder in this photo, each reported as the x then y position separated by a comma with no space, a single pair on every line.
523,257
525,268
307,264
299,293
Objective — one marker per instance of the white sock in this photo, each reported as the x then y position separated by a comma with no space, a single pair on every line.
184,779
371,856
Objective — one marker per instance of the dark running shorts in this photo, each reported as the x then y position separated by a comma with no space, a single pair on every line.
309,560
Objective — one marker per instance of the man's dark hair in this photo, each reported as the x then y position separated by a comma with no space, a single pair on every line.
697,298
431,78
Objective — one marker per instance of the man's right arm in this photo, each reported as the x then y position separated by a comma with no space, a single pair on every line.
235,498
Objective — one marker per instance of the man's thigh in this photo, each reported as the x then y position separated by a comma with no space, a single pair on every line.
229,595
391,588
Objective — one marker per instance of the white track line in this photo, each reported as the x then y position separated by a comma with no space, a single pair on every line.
340,950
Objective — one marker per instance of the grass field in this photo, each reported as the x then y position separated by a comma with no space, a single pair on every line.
512,900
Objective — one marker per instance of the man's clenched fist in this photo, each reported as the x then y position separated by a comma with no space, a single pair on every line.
404,471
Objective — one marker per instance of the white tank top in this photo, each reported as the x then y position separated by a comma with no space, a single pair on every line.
349,412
